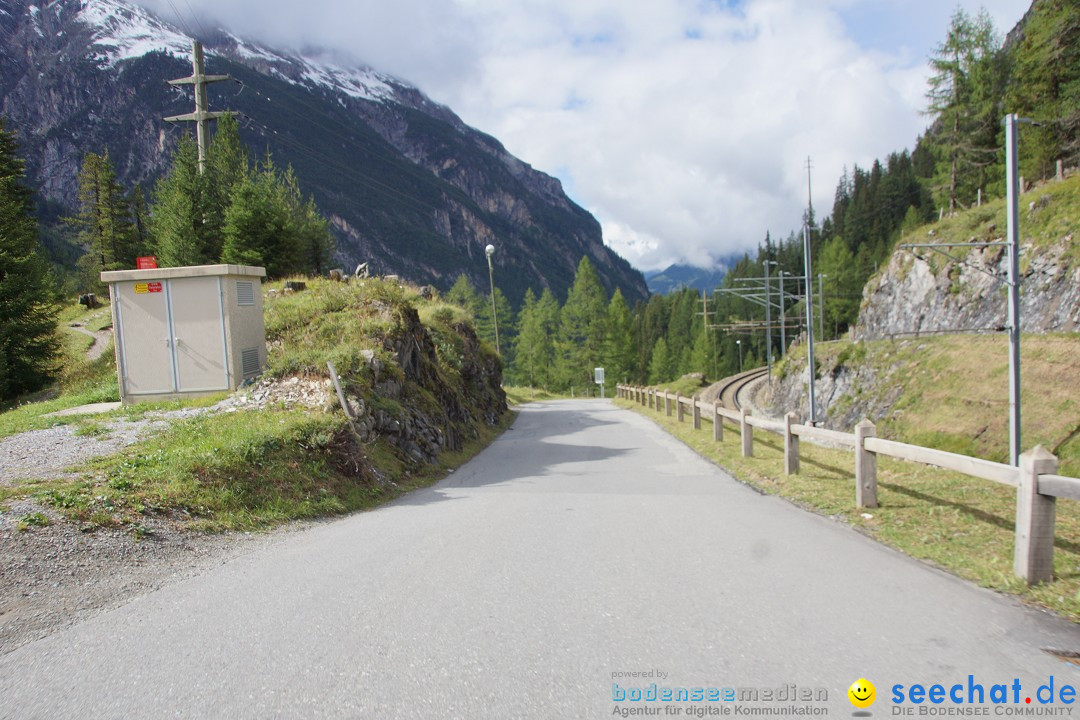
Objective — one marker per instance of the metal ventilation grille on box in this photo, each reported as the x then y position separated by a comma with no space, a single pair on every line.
245,293
249,359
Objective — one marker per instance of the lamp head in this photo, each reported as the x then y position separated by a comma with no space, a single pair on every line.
489,250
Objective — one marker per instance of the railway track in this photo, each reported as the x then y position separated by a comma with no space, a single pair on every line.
732,386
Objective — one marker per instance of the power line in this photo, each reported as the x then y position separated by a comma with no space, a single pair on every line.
196,18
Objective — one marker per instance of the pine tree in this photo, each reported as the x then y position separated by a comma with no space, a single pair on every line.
104,216
964,97
1046,86
583,327
179,211
28,345
227,165
843,287
260,227
140,221
660,365
310,227
619,353
465,295
701,355
534,348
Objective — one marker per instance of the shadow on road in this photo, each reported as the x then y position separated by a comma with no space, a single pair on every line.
532,447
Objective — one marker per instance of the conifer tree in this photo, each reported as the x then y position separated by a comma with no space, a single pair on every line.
534,348
28,344
660,365
1045,86
259,225
103,220
964,97
583,327
619,354
179,211
311,229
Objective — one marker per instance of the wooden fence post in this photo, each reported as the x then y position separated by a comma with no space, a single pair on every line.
697,413
1033,558
650,398
747,434
678,406
791,446
865,466
667,403
717,423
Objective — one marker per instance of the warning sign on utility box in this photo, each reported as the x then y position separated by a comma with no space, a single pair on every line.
153,287
147,287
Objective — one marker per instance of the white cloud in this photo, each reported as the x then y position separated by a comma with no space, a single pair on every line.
684,125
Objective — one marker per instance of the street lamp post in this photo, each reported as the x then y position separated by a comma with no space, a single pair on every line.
739,343
489,251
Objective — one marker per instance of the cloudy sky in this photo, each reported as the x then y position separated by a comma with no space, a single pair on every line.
683,125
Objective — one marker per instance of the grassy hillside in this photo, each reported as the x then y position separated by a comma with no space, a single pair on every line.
426,393
952,391
1049,214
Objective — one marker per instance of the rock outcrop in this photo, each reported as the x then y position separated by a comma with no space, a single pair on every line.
922,291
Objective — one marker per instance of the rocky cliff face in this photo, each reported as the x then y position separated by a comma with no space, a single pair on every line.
922,291
406,184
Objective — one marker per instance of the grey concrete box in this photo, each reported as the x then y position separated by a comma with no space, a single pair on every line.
186,330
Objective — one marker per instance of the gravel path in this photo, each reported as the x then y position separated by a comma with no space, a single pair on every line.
56,576
48,453
101,340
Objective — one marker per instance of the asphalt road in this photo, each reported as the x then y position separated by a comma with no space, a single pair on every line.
583,543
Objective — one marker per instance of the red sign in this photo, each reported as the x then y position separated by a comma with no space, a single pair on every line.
146,263
153,287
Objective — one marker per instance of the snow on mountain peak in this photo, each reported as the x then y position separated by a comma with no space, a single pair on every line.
124,31
361,83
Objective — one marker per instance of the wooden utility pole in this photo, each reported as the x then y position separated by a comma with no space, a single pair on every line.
201,116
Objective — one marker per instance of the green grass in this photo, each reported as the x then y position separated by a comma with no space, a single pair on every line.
91,428
255,469
961,524
32,520
1042,227
950,403
80,381
243,471
686,386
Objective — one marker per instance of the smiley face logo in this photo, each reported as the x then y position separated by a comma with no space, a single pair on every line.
862,693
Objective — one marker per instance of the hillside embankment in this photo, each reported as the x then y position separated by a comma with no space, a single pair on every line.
924,290
181,486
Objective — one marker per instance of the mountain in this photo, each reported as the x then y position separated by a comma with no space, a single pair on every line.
405,183
675,277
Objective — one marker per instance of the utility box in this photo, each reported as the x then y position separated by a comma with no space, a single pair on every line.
186,330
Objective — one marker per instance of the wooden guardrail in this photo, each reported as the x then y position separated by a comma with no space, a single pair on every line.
1038,485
